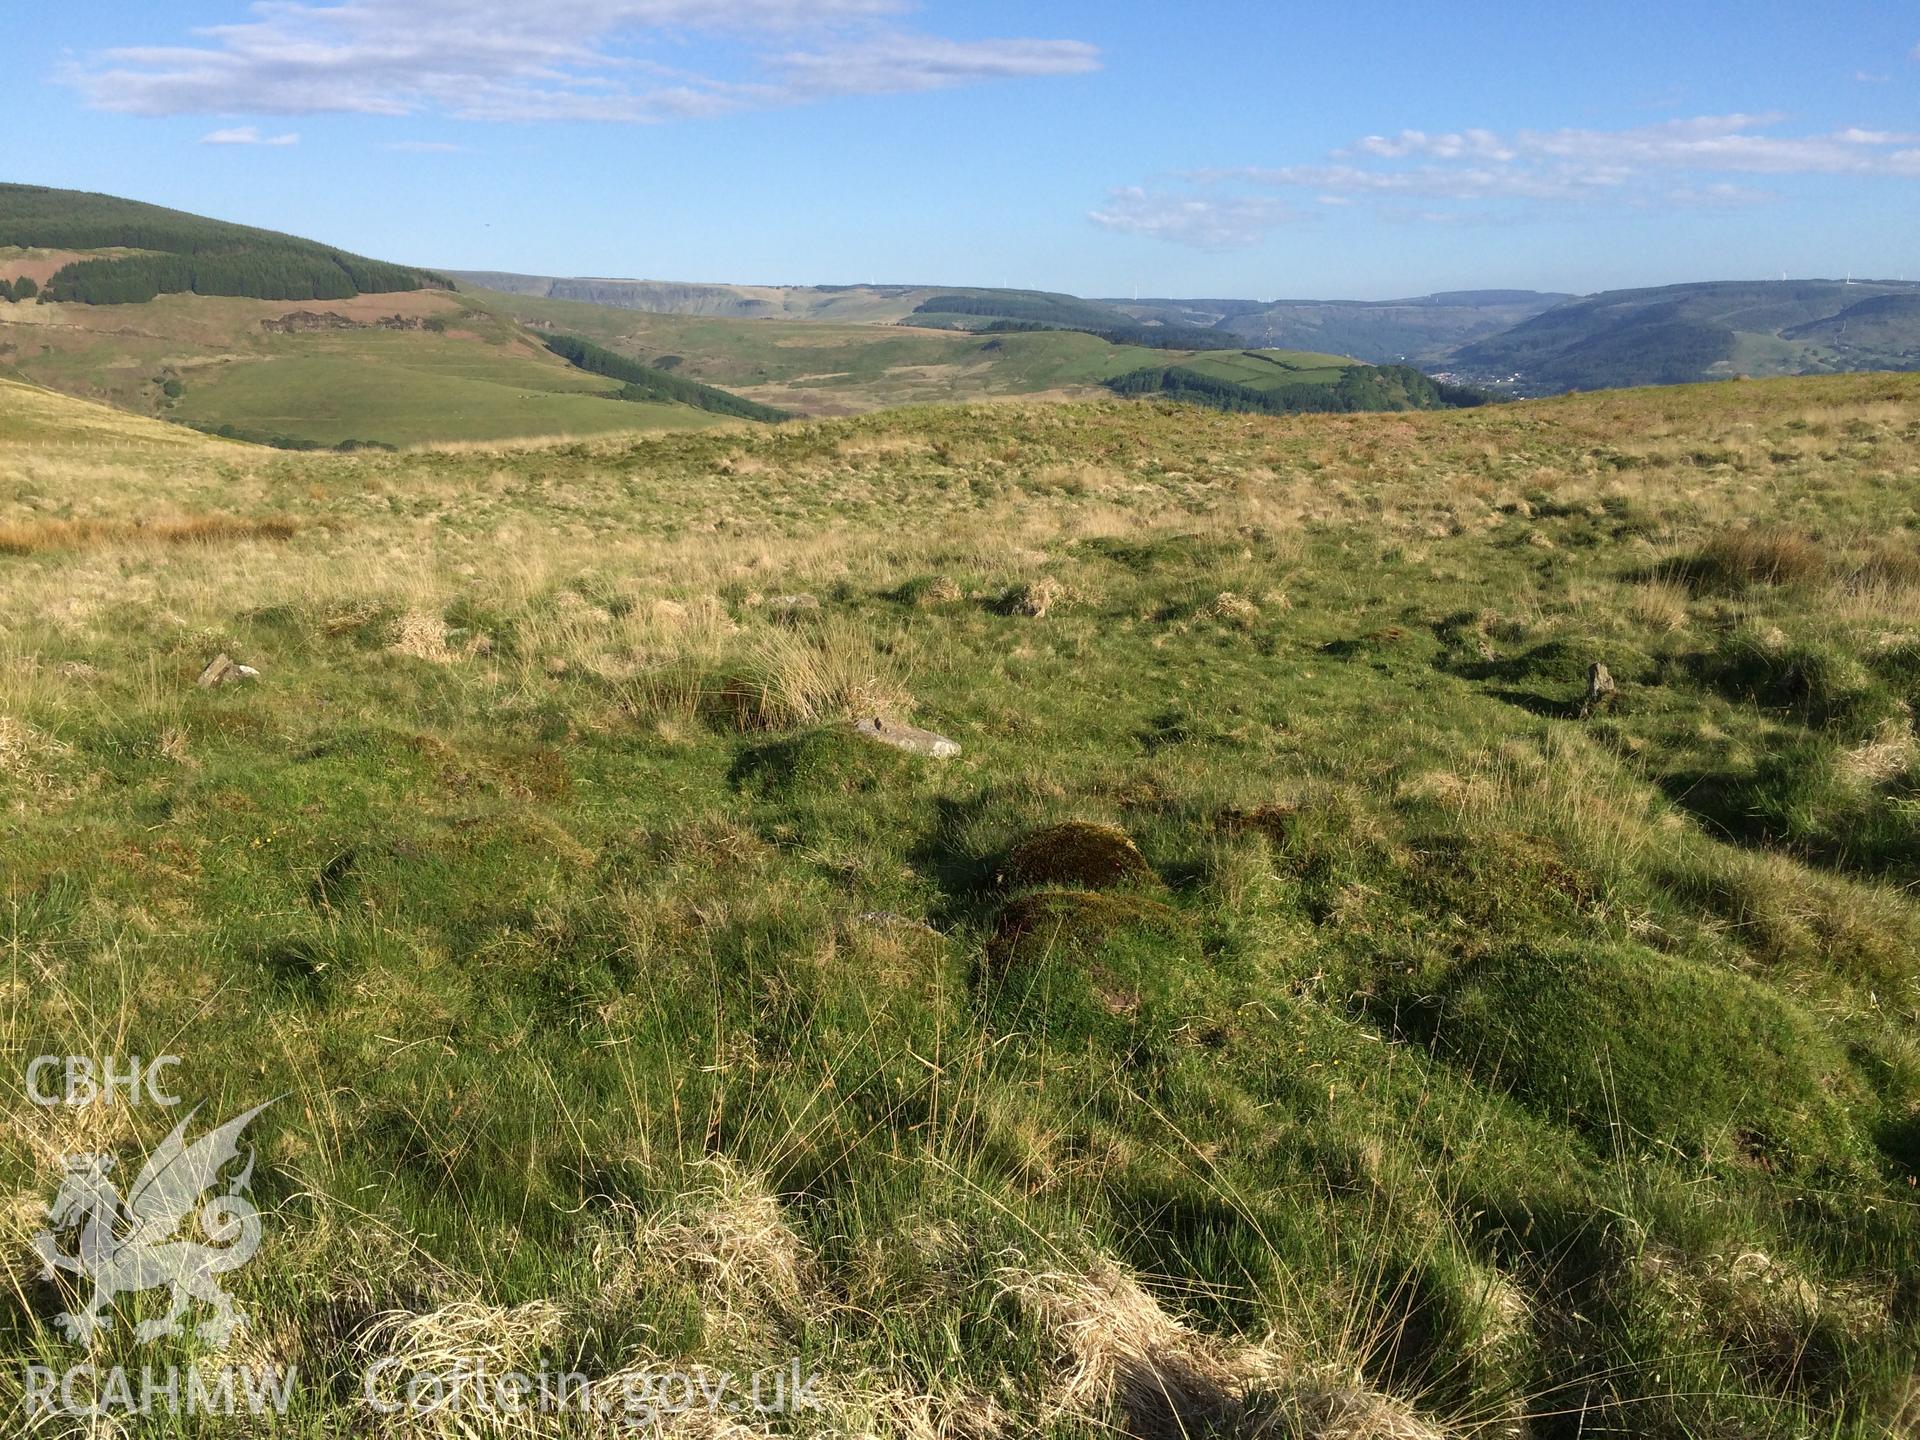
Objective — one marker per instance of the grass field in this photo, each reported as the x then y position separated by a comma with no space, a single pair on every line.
398,390
1391,1047
1268,370
469,377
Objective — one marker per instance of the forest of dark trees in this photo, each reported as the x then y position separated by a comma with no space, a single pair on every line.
646,384
184,254
1363,387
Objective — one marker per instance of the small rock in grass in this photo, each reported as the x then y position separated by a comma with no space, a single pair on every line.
791,603
906,737
222,671
1601,689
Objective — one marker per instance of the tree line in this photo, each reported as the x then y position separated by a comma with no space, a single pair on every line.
263,274
1362,387
24,288
182,253
645,384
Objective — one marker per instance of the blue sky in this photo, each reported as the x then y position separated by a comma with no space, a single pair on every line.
1236,148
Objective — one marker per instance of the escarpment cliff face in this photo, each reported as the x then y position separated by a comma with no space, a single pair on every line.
855,304
300,322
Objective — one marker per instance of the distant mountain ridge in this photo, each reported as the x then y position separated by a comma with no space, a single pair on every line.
1673,334
857,304
1423,329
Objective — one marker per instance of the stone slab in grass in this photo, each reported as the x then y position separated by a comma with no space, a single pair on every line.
910,738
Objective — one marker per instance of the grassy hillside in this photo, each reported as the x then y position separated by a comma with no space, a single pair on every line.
156,251
1271,369
647,384
833,369
390,369
1391,1045
1286,382
1425,330
1681,333
999,311
284,341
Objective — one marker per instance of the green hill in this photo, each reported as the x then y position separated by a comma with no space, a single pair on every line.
1000,311
982,309
824,368
271,338
1885,325
647,383
1678,333
1423,330
1285,382
176,253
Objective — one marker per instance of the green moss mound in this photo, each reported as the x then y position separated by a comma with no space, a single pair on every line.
1817,682
1496,878
1077,854
1623,1042
1076,923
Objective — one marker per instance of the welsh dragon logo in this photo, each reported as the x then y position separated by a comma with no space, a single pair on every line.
132,1243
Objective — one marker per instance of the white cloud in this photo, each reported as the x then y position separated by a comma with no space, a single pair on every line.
1227,223
562,60
898,61
1724,143
246,135
1690,163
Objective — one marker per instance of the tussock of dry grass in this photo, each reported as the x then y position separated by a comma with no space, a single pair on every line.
1124,1361
1746,556
36,537
807,675
1038,599
730,1239
24,751
422,636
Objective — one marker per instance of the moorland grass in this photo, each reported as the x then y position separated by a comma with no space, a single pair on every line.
1455,1066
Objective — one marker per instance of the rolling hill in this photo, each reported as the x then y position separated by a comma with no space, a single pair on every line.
1678,333
268,337
936,307
855,304
828,368
1292,382
1424,330
103,250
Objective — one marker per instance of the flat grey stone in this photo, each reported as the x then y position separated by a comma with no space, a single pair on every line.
907,737
222,671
